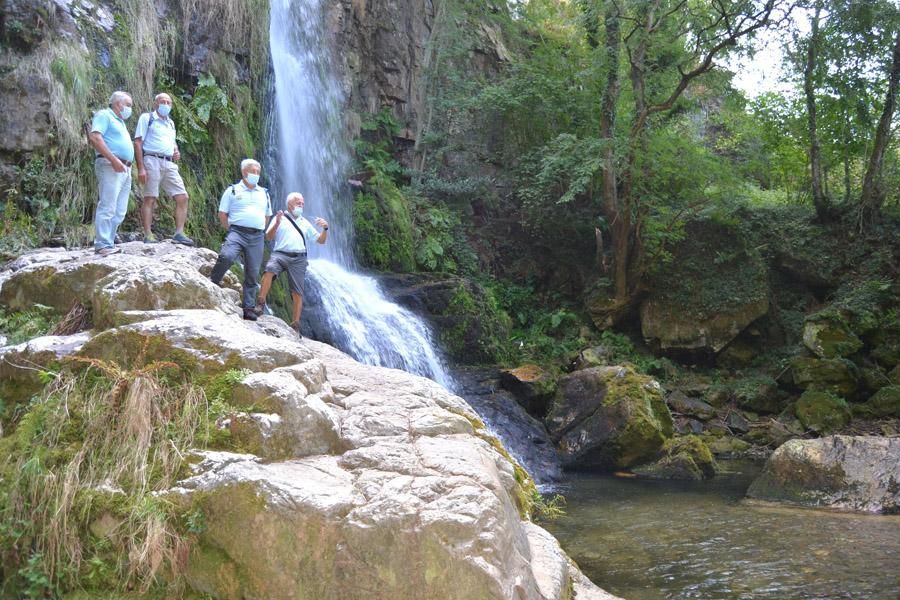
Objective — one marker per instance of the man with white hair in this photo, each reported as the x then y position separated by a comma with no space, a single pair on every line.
244,212
292,234
112,165
156,153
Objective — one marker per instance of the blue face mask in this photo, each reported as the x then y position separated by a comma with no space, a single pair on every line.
252,178
164,110
298,212
126,113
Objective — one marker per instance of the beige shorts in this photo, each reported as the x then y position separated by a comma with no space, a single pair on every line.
162,173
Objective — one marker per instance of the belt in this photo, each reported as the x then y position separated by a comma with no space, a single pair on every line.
292,254
127,163
243,229
162,156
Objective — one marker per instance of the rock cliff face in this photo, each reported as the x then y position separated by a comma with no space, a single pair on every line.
355,481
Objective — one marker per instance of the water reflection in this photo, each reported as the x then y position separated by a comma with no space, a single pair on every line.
646,540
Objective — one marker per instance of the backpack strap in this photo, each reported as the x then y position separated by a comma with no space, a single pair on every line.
147,132
297,227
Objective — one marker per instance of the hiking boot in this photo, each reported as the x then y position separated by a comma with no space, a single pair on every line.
149,238
249,315
180,238
296,327
107,251
260,308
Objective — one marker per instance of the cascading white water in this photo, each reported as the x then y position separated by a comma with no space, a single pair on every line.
308,156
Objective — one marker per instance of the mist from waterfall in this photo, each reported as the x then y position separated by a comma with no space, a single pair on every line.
307,150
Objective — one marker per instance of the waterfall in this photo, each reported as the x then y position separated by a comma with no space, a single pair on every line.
307,153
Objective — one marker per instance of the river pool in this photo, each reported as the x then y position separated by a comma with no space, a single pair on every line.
647,540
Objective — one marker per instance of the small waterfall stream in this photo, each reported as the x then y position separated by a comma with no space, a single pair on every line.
342,306
309,157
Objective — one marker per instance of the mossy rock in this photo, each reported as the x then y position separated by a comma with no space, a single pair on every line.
838,375
828,338
727,446
383,227
822,411
714,288
608,418
759,394
884,403
686,457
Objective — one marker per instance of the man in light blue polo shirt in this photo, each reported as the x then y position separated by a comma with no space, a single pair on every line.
244,212
109,137
290,253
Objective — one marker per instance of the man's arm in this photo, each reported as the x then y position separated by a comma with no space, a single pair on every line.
139,159
223,220
96,139
273,229
324,235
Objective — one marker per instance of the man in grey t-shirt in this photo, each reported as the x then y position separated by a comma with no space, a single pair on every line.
290,253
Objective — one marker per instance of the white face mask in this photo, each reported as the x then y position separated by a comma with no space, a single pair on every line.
125,113
164,110
298,212
252,178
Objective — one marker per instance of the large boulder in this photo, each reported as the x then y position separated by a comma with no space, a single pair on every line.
855,473
822,411
837,375
142,277
714,287
363,482
829,338
608,418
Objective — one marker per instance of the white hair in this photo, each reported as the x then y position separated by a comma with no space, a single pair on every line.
118,96
249,162
297,195
157,97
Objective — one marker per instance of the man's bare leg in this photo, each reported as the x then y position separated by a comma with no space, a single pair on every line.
147,205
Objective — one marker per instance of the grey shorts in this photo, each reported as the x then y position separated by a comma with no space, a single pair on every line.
295,267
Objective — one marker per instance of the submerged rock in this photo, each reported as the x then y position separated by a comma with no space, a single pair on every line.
685,457
855,473
608,418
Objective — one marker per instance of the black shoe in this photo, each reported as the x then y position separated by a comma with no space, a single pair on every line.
249,315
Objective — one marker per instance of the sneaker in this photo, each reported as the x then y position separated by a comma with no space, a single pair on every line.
118,239
249,315
296,327
107,251
149,238
260,308
180,238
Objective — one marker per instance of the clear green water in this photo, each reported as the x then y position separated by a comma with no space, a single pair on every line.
647,540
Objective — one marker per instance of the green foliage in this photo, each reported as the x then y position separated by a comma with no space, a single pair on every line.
96,429
622,350
383,226
542,331
547,508
21,326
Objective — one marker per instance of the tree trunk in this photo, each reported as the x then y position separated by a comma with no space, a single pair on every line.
872,192
607,134
820,201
